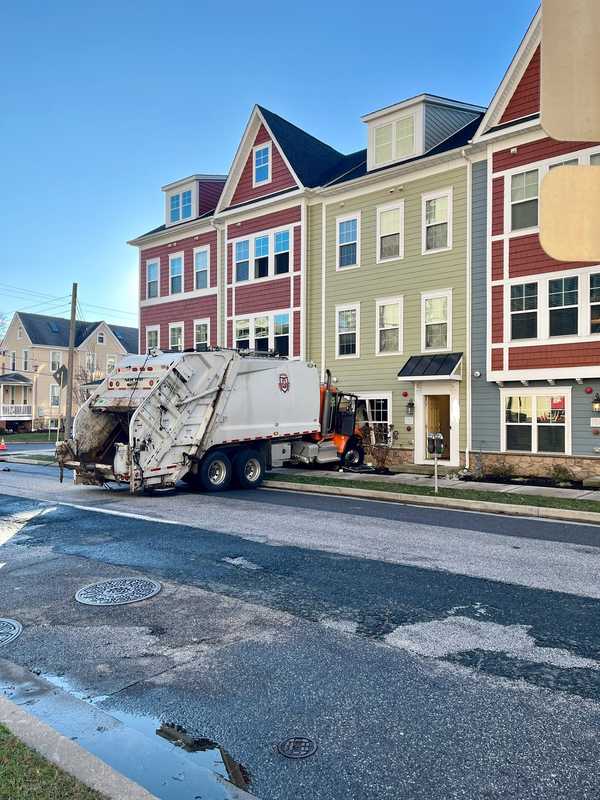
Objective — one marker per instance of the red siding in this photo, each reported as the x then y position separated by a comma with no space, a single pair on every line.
229,302
526,257
297,249
278,219
263,296
177,311
526,98
497,314
229,263
497,206
229,342
497,261
296,344
534,151
186,246
297,290
281,177
555,356
498,359
209,193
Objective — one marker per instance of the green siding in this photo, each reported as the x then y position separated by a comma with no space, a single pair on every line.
407,277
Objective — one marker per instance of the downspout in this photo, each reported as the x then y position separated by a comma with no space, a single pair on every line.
221,273
304,341
469,309
323,285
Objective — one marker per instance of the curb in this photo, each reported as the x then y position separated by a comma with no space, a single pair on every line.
68,755
18,460
482,506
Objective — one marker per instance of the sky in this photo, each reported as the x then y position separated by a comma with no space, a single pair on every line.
105,102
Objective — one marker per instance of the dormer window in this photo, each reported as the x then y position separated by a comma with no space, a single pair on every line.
180,206
394,140
262,164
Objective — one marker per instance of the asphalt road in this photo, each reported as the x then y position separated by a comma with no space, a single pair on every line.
432,654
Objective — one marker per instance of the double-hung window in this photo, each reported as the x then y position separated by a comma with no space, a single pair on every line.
242,334
347,329
262,164
176,274
152,338
595,303
180,206
264,333
90,362
563,308
242,260
523,311
389,325
348,231
261,334
524,200
570,162
201,334
436,231
536,423
55,360
152,268
282,252
54,395
436,320
111,363
394,140
201,258
13,360
390,232
176,336
281,334
25,356
261,257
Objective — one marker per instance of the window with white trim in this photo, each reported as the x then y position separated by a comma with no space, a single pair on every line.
242,261
25,360
54,395
111,363
394,140
348,232
436,320
282,252
595,303
152,338
261,256
374,411
563,306
389,325
390,232
524,190
281,334
570,162
523,311
201,334
55,360
13,360
436,231
535,423
264,333
201,265
595,159
176,336
90,362
347,331
176,274
19,332
152,269
180,206
262,164
100,337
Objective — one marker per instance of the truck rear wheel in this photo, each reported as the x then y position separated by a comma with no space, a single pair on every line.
215,472
249,469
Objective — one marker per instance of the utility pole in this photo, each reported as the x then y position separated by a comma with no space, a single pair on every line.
71,358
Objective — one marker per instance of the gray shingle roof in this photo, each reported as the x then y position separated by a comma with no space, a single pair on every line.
14,378
54,331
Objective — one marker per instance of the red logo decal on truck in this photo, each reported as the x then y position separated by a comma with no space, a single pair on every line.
284,383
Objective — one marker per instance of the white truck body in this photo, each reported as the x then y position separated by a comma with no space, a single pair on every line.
155,417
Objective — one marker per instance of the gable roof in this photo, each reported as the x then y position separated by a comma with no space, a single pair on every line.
15,378
54,331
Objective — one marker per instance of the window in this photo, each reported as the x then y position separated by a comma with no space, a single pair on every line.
90,362
201,335
152,279
25,356
262,164
176,274
571,162
595,159
13,361
54,395
347,242
436,319
261,334
562,301
176,336
282,252
394,140
390,230
100,337
55,360
111,363
201,259
374,411
264,333
281,338
595,303
180,206
389,326
13,395
524,200
536,423
523,311
152,338
261,257
437,221
347,325
242,334
19,332
242,262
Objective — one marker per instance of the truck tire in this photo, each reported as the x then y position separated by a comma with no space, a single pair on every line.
215,472
249,469
354,455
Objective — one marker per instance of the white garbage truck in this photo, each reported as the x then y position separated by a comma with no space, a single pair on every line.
211,418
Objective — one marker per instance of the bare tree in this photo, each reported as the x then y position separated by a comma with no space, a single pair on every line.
377,442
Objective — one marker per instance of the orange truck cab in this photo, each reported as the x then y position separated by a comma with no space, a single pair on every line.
339,425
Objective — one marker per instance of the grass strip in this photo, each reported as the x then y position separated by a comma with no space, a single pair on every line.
428,491
29,437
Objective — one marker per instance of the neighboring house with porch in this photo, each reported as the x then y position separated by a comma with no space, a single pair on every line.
34,347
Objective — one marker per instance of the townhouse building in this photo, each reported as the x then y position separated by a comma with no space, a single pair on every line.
35,347
535,320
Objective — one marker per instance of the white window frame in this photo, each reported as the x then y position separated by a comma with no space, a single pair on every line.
271,317
111,357
508,194
180,191
533,391
203,248
508,312
347,307
447,293
54,386
271,233
148,263
91,357
397,206
173,256
25,360
12,360
100,337
448,192
205,321
390,301
181,325
417,137
19,332
387,396
264,146
347,218
52,354
153,329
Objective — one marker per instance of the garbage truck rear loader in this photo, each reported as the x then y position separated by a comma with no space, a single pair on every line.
210,418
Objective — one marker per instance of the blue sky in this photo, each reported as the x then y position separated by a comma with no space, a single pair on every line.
104,102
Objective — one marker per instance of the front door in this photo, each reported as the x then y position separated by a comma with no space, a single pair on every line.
437,410
437,420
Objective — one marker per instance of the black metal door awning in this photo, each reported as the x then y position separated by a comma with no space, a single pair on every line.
443,366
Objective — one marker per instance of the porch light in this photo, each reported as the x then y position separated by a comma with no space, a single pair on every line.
410,408
596,404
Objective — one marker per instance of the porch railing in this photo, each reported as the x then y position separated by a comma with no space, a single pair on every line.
11,411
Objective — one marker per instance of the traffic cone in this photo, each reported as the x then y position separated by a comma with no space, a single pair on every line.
3,444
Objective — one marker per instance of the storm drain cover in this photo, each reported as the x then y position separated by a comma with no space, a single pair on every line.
297,747
117,591
9,630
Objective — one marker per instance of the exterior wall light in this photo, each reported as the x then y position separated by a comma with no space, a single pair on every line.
410,408
596,404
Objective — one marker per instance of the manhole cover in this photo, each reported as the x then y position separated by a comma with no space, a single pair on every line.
9,630
117,591
297,747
